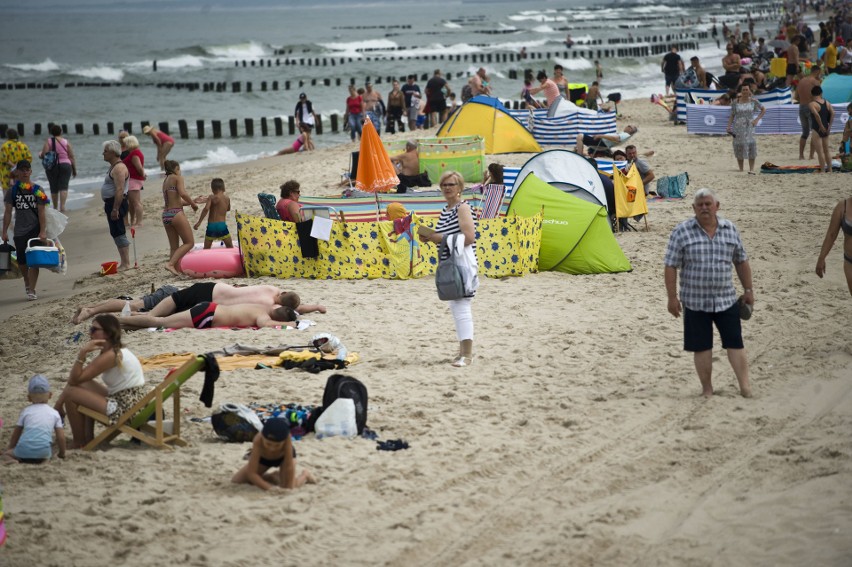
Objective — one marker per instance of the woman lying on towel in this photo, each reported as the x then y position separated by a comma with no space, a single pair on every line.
209,314
123,382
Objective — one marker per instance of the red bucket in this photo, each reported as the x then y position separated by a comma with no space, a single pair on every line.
109,268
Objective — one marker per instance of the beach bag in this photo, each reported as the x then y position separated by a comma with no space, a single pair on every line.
448,277
687,80
236,423
51,158
342,386
673,186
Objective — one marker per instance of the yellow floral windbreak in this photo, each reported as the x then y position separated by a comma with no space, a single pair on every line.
505,246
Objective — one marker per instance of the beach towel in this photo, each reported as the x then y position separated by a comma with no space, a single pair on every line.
673,186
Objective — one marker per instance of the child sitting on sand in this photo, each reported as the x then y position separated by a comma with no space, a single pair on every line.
218,205
272,448
32,438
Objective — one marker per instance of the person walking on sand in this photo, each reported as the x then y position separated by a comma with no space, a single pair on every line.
114,194
11,152
840,220
28,200
741,125
164,144
174,219
60,174
703,249
822,115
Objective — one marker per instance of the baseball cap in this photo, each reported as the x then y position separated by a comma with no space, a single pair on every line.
23,164
303,95
276,429
38,385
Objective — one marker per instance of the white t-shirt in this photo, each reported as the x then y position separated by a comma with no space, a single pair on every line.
127,374
622,137
38,422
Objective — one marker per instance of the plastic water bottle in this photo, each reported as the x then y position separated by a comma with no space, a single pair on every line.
125,311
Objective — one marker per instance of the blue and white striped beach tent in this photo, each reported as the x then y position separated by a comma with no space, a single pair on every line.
560,124
769,98
784,119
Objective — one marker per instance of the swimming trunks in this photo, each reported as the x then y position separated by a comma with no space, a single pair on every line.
845,224
275,462
202,315
216,231
193,295
169,215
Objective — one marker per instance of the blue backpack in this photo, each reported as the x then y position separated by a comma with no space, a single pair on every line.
51,158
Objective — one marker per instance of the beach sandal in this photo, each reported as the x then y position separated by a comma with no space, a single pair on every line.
462,361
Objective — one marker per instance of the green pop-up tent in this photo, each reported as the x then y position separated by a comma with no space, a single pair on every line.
576,237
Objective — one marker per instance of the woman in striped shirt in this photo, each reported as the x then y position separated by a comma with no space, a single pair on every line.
456,218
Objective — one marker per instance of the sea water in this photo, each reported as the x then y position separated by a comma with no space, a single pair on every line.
118,41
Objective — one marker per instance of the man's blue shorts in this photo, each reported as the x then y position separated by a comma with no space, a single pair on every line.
698,329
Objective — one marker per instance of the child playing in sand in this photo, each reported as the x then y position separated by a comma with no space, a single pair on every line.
272,448
32,438
218,204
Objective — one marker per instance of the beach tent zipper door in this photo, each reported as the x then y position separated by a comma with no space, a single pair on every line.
576,237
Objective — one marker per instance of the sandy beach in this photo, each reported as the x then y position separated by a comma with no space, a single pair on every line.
577,437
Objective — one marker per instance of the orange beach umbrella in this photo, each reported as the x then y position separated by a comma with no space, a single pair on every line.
376,173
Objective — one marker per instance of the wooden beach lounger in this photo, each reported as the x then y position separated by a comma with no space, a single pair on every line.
152,404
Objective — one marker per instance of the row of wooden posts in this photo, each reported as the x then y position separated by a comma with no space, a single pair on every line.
238,86
268,126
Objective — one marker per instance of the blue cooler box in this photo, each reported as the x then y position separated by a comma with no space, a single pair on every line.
42,256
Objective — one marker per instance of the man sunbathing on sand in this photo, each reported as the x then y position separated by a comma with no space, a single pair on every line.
169,299
209,314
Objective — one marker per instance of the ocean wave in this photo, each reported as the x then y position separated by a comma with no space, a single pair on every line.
178,62
99,72
659,9
574,64
45,66
539,17
452,25
544,29
248,50
517,45
356,46
222,155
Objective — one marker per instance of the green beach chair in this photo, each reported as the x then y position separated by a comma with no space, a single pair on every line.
135,422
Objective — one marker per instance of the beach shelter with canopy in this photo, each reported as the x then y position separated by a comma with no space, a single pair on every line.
487,117
837,89
576,237
567,171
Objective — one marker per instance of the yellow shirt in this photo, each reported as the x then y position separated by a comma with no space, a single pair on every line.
11,152
830,56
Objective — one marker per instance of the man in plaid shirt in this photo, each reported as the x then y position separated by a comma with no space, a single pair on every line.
703,249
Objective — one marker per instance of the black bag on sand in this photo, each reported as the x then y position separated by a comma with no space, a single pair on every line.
342,386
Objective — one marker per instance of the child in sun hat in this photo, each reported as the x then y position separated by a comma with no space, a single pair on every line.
273,447
32,439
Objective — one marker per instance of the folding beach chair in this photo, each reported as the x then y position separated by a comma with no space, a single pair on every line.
136,424
267,203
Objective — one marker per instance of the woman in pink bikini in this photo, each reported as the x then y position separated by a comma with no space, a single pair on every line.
163,141
174,219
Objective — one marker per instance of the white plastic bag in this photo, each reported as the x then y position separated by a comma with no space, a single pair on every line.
337,419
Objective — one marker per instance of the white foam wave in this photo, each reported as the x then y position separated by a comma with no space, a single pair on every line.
360,45
452,25
538,18
181,61
517,45
99,72
44,67
544,29
247,50
574,64
222,155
